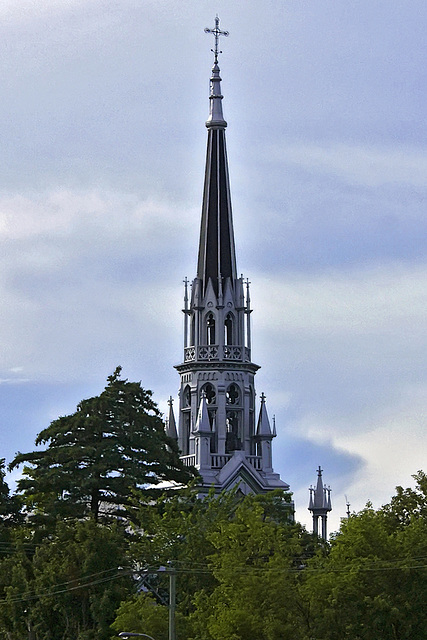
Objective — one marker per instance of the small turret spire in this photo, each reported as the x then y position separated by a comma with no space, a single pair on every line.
171,424
263,427
320,504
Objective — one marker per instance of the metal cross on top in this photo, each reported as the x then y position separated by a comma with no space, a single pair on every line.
217,32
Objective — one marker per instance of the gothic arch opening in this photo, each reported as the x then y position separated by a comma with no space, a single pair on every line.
186,397
232,395
186,419
193,330
228,327
253,447
210,392
210,329
233,440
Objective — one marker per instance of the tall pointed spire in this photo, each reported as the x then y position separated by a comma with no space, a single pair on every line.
217,258
217,424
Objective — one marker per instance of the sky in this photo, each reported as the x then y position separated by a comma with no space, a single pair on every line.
102,145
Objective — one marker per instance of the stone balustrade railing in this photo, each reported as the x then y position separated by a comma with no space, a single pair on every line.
207,353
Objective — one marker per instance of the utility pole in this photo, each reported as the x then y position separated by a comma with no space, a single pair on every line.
172,602
171,572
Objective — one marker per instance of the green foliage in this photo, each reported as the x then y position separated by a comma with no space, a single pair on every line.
374,581
112,445
16,578
408,504
142,614
243,569
9,505
68,586
198,537
256,564
178,532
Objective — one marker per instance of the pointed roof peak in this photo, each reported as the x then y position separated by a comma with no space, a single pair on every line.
320,496
171,430
203,424
263,426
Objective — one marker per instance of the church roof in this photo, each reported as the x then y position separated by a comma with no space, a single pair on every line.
217,258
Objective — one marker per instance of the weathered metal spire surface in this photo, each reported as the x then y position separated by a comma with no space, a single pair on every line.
217,259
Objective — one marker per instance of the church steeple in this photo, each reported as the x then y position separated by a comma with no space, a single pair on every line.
217,432
217,259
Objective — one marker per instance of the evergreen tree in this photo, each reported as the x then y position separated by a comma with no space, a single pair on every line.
112,445
10,505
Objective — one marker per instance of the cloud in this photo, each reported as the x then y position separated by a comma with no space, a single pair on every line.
345,351
359,165
86,272
391,441
101,179
369,318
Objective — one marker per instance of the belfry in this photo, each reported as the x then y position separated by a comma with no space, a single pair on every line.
220,431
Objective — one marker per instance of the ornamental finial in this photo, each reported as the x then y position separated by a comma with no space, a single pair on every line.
216,32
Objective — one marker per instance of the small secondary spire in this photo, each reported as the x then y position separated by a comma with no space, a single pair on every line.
320,504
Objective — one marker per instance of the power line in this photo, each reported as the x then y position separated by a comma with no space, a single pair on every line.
415,564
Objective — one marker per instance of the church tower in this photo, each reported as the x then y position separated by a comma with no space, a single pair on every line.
320,505
219,432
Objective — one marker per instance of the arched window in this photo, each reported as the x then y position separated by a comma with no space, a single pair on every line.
232,394
193,330
233,440
209,390
186,397
210,328
186,433
228,326
253,446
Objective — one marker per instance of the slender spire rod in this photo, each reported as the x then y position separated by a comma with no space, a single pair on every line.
216,32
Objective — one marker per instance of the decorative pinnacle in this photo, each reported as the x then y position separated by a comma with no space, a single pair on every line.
216,32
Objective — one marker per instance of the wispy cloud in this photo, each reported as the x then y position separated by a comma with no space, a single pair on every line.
359,165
